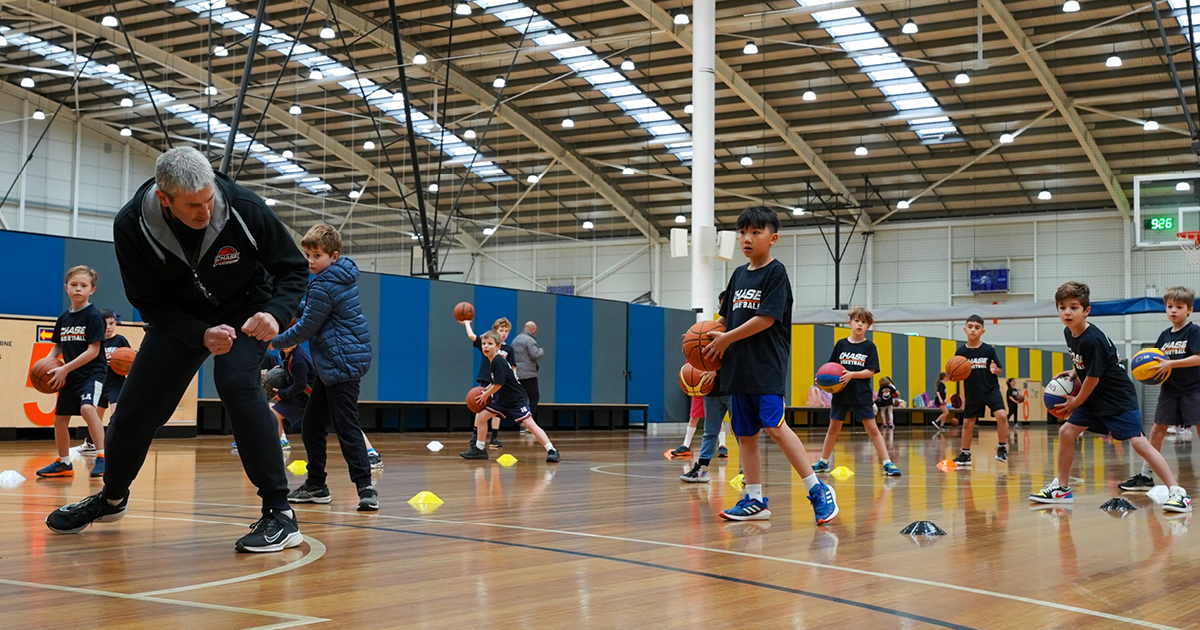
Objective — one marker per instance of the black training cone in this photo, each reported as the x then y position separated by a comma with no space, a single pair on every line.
923,528
1118,505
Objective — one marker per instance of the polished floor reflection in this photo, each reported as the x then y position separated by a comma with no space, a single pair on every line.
609,538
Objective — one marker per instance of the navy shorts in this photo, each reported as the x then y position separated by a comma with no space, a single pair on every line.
1123,426
292,410
750,413
1183,410
976,404
109,396
518,415
838,412
79,391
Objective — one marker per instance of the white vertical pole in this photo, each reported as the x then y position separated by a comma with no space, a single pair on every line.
704,44
124,173
656,272
1036,279
869,243
75,180
21,160
1128,288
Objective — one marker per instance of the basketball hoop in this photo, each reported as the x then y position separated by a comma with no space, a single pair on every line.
1189,242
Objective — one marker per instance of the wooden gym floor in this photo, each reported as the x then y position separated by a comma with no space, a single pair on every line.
609,539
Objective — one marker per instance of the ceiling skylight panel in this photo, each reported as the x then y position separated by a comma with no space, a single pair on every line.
636,103
836,14
903,88
605,77
877,60
652,117
553,39
929,121
855,45
845,30
622,90
665,130
568,53
519,13
890,75
915,103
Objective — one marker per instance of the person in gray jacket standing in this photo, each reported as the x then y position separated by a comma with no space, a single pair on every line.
528,354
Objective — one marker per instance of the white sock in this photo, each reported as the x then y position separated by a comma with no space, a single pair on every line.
1178,489
481,445
823,460
1146,470
549,447
287,513
99,452
687,437
811,481
754,490
886,462
721,436
114,502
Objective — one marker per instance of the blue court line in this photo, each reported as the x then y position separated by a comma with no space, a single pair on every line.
651,565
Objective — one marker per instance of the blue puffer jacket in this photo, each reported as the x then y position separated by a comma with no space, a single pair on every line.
334,322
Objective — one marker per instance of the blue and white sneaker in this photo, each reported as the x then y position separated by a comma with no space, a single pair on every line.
821,466
285,444
824,502
748,510
891,470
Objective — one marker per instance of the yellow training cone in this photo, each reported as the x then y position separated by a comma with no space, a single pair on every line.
506,460
738,481
298,467
841,473
425,497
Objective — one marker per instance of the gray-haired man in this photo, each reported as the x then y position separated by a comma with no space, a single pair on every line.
528,354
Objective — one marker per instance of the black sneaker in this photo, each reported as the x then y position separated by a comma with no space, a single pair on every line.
495,443
722,452
963,460
1002,454
375,459
275,531
698,474
552,456
474,453
73,518
308,493
1136,483
368,499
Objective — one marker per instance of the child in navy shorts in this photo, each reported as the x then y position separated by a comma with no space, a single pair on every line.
505,399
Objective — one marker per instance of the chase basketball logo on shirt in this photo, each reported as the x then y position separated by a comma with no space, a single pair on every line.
1175,347
747,298
108,354
853,358
227,256
1077,361
73,333
980,363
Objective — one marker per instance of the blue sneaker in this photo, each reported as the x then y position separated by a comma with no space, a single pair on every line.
824,502
284,443
821,466
748,510
891,470
98,467
58,469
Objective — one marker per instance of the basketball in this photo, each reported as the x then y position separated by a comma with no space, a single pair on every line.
1057,391
121,360
695,340
276,379
1145,363
829,377
464,312
958,368
39,377
689,381
474,393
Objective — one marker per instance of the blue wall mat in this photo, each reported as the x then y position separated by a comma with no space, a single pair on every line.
207,388
403,339
645,357
542,309
36,286
608,359
368,296
99,255
492,304
676,404
450,360
573,343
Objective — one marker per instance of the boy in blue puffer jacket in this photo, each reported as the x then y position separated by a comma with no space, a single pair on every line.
334,324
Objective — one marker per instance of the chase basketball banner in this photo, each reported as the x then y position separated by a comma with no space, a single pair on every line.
25,340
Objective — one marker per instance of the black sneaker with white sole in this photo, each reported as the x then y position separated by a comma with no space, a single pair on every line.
1137,483
474,453
308,493
275,531
963,460
552,456
73,518
1002,454
368,499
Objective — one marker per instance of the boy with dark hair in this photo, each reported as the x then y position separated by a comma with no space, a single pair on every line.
341,350
112,380
1179,398
1107,402
501,327
511,401
78,336
754,351
860,358
983,390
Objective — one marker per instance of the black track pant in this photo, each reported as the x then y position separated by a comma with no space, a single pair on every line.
162,372
531,391
335,404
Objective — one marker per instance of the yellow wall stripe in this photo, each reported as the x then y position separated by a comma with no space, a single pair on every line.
883,341
1035,365
1012,362
803,369
917,381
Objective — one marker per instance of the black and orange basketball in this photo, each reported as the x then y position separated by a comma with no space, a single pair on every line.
690,381
38,374
464,312
695,340
121,360
473,395
958,368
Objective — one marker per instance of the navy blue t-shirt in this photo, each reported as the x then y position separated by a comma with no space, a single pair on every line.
511,395
758,364
113,379
855,357
981,383
484,377
1094,354
75,331
1176,345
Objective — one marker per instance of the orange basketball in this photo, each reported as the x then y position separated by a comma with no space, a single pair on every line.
958,368
472,395
39,377
464,312
952,421
695,340
121,360
689,381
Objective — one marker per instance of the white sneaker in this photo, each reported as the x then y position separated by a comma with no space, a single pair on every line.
1172,429
87,447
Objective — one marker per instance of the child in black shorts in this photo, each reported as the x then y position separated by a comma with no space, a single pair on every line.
112,381
505,399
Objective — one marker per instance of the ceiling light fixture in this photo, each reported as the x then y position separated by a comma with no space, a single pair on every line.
1183,187
1070,6
680,19
287,154
532,179
354,194
679,218
469,134
587,225
210,90
687,109
1150,125
746,161
3,40
1044,195
27,83
860,150
750,49
420,59
798,211
903,204
415,237
327,32
126,102
567,123
462,9
126,131
1007,138
315,74
488,231
110,21
294,109
909,28
221,51
270,201
962,78
627,65
368,145
809,95
38,114
498,82
1113,62
112,68
627,171
433,188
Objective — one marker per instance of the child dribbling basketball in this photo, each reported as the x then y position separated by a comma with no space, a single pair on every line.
501,327
505,399
112,380
983,391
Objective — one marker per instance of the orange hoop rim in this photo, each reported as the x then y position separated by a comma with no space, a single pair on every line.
1189,236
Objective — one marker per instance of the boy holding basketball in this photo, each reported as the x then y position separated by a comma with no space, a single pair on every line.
1179,398
983,390
1106,403
78,336
501,327
112,380
510,403
754,352
341,350
860,358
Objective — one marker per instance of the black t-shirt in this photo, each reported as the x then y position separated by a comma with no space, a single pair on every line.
855,357
1013,397
1180,345
887,395
113,379
716,388
484,377
1094,354
75,331
511,395
758,364
981,384
941,393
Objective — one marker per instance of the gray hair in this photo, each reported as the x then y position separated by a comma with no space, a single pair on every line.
182,170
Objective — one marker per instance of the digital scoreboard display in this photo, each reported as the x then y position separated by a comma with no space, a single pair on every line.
989,281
